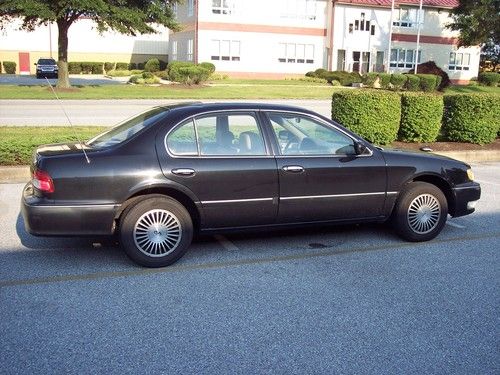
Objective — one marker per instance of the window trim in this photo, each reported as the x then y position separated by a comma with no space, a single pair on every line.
395,63
462,67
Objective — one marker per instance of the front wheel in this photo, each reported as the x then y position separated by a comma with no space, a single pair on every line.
156,232
421,212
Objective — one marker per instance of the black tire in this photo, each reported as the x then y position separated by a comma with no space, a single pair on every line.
420,212
159,244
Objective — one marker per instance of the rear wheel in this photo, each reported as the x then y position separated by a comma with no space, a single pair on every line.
156,232
420,212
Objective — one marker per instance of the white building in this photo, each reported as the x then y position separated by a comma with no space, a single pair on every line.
285,37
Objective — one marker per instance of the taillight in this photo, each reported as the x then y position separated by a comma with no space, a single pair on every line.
43,182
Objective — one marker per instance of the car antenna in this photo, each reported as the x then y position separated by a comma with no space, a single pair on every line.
67,117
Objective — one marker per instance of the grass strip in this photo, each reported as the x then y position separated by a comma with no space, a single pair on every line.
17,143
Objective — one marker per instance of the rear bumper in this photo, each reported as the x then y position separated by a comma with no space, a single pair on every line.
465,196
44,218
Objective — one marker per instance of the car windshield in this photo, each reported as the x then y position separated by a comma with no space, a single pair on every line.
46,62
126,129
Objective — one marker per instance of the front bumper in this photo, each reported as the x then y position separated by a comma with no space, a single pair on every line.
464,195
44,218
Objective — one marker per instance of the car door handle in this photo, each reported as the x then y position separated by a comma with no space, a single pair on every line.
183,171
293,168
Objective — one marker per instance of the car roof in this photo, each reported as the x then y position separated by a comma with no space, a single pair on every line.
192,108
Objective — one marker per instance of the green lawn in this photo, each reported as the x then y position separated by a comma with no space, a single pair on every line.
259,91
267,82
18,143
473,89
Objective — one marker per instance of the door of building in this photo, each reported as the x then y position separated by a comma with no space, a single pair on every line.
24,63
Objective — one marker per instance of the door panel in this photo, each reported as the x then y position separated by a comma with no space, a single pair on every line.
24,63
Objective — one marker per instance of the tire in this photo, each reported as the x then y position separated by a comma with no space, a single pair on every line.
152,246
420,212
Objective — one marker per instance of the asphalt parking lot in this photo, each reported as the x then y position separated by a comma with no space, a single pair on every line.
31,80
349,299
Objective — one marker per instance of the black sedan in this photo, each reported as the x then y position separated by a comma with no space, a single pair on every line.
175,170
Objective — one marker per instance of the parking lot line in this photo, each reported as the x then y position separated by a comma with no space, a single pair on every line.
452,224
228,245
218,265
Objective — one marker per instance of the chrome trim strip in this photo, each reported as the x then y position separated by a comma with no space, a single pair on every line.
331,196
79,206
238,200
392,192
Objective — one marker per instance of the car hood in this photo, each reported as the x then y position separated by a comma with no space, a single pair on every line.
417,154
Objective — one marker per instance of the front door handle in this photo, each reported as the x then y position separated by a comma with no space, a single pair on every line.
293,168
183,171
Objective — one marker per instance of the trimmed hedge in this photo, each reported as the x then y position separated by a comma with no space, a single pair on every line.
152,65
108,66
209,66
412,82
472,117
9,67
369,79
489,78
430,67
375,115
132,66
421,116
74,68
122,66
85,67
427,82
398,81
187,72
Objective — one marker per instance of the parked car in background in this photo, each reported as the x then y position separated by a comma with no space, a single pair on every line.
46,67
175,170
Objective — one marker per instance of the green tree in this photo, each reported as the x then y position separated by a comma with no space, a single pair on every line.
478,22
129,17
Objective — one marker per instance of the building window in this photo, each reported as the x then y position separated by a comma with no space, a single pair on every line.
296,53
459,61
174,50
190,49
225,50
223,6
372,31
190,4
301,9
408,17
403,58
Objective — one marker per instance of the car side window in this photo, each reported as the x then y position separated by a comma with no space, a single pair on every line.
303,135
182,141
229,134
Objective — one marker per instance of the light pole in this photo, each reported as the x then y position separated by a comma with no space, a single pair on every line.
390,39
419,24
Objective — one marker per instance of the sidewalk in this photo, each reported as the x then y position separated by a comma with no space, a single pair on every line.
20,174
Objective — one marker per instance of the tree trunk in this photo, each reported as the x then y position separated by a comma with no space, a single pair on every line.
62,54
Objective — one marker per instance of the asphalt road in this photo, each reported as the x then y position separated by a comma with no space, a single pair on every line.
105,112
351,299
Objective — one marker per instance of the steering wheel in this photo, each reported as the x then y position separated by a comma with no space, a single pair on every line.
291,142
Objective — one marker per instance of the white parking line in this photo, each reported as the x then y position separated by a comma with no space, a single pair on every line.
452,224
228,245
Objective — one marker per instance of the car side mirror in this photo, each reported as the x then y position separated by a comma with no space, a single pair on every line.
360,148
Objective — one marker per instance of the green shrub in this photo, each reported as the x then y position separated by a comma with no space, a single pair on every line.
163,74
97,68
209,66
375,115
345,78
152,65
9,67
147,75
385,79
135,78
136,71
321,73
217,77
192,74
163,65
489,78
427,82
412,82
109,66
147,78
132,66
122,66
430,67
439,80
307,79
421,116
74,68
472,117
398,81
86,67
312,75
141,65
369,79
334,82
119,73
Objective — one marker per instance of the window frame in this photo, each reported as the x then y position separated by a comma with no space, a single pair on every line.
458,67
294,59
255,113
232,47
403,63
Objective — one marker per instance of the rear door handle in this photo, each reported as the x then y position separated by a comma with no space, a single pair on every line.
183,171
293,168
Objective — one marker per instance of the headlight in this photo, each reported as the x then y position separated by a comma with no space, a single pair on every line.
470,174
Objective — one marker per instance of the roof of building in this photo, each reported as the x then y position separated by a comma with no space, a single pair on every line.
387,3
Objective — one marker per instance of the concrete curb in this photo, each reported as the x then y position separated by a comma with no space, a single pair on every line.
19,174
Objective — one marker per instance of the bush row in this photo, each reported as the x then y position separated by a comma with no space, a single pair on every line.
86,67
344,78
188,72
9,67
489,78
398,82
382,117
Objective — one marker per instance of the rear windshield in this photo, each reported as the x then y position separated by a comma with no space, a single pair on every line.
127,129
47,62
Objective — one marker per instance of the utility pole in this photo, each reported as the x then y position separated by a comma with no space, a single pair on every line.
390,38
50,39
419,25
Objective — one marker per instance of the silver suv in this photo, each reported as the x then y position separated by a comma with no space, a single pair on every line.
46,67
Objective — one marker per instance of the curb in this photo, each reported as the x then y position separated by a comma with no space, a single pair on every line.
20,174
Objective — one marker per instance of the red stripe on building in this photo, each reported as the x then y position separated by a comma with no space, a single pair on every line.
424,39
